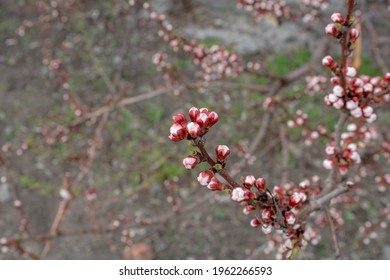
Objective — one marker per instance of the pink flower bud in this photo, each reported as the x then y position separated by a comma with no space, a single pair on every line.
372,118
330,150
266,215
213,118
328,61
351,105
193,129
177,131
343,169
190,162
332,98
204,177
193,113
255,223
249,181
368,88
328,163
215,185
204,110
367,111
338,104
357,113
279,190
248,209
353,34
357,83
335,81
350,72
304,184
174,138
290,218
180,119
202,120
295,199
222,152
337,18
331,30
260,184
238,194
338,91
387,78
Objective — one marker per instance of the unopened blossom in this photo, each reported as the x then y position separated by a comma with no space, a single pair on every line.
190,162
204,177
222,152
238,194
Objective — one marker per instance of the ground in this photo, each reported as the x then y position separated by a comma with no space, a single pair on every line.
137,172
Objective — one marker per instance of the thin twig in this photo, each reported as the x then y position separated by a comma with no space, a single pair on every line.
333,233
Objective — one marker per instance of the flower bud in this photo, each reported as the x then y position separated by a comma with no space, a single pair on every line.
350,72
266,215
255,223
249,181
174,138
368,88
338,104
215,185
330,150
328,61
190,162
351,105
295,199
180,119
337,18
304,184
332,98
213,118
204,177
260,184
331,30
328,163
177,131
203,120
372,118
367,111
238,194
357,113
290,218
193,129
387,78
248,209
353,34
193,113
338,91
222,152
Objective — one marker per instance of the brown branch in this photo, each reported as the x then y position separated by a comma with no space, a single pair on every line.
322,201
212,163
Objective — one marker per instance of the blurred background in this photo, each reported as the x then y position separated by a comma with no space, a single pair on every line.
85,178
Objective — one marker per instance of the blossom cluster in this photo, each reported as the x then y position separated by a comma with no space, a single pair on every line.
299,120
345,159
308,9
350,92
201,121
311,134
262,8
315,84
215,62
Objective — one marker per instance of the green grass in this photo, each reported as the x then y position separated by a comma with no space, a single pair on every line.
282,63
